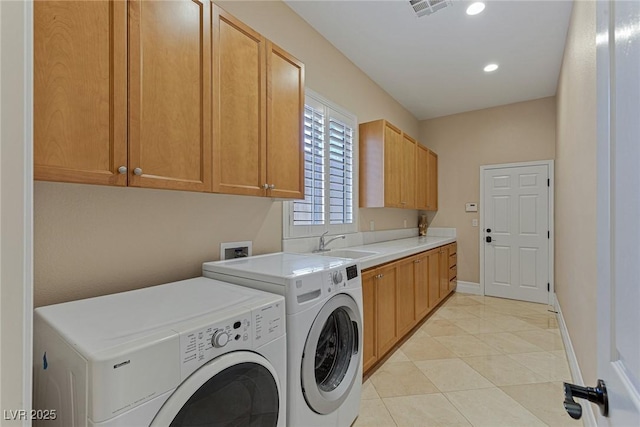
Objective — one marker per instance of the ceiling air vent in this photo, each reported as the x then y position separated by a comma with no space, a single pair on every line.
427,7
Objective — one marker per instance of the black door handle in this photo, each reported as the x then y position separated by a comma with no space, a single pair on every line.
488,239
488,230
597,395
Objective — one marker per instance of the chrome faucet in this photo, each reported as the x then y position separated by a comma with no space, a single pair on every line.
323,244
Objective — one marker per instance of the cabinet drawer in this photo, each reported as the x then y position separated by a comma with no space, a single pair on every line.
453,272
453,248
453,260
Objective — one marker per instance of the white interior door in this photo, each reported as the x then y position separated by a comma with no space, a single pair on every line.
618,223
515,216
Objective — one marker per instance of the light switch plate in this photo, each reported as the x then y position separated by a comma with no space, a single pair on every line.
471,207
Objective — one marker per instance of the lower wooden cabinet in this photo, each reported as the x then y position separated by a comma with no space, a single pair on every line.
405,295
398,295
369,349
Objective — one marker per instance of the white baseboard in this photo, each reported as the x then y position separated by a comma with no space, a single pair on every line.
589,417
468,288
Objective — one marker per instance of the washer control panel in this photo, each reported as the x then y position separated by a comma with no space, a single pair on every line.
341,278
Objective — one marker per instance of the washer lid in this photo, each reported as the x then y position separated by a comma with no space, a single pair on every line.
276,268
96,324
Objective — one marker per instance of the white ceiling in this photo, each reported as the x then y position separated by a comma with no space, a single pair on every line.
433,65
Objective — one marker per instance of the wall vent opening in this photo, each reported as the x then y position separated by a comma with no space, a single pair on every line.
428,7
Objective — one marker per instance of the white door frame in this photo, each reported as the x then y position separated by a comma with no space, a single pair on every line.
16,202
549,164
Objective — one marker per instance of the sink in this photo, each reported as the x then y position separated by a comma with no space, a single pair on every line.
348,253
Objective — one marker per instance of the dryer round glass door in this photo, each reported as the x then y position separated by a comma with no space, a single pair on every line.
236,389
331,357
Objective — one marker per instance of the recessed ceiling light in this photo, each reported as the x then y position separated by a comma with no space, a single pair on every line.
475,8
491,67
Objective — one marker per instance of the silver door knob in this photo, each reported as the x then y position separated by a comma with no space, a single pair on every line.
122,170
137,171
272,186
265,186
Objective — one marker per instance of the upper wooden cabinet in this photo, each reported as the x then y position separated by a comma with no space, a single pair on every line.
165,94
381,160
258,111
170,94
285,115
408,185
394,169
80,91
432,182
239,107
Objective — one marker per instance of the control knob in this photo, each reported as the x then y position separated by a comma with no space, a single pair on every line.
336,277
220,338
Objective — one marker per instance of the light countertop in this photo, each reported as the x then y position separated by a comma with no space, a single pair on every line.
394,249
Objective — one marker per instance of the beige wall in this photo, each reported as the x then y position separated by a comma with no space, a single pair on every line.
92,240
520,132
575,214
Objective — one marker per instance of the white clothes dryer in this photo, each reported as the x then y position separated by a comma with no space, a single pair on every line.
191,353
323,297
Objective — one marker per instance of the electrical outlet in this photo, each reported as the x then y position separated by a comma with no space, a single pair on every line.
474,222
405,223
372,226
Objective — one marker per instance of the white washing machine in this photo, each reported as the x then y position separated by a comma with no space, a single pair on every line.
323,297
191,353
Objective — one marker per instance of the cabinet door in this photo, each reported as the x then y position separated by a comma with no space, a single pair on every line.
386,327
392,166
285,115
434,277
421,283
80,91
444,271
170,94
369,350
422,177
408,184
406,295
432,191
239,107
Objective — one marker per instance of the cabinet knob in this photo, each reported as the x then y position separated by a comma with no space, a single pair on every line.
122,170
265,186
418,261
272,186
137,171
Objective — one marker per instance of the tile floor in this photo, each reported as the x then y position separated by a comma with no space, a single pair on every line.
477,361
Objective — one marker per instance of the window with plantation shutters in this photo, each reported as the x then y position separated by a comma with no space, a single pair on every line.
329,176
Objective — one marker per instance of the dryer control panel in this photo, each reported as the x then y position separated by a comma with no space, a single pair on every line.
247,330
199,346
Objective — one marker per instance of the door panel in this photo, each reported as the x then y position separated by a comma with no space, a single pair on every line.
516,208
422,177
387,332
285,114
432,194
408,184
434,277
369,351
421,281
170,94
239,103
80,91
618,209
392,166
406,296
